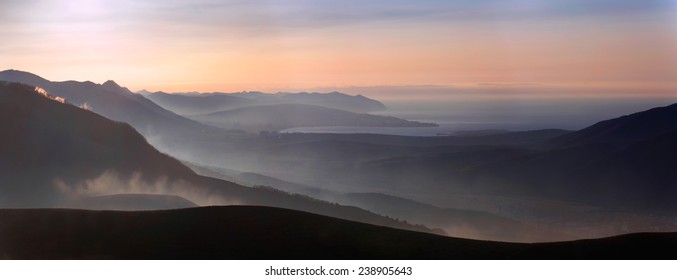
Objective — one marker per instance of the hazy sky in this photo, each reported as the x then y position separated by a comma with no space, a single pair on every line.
214,45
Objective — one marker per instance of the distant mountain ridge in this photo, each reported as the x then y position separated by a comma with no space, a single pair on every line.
202,103
114,102
193,104
282,116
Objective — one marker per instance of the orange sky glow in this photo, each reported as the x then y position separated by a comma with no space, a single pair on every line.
300,45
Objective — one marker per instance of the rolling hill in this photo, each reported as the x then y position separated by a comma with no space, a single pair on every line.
249,232
455,222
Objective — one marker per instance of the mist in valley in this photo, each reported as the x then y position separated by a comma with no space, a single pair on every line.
458,180
531,183
439,121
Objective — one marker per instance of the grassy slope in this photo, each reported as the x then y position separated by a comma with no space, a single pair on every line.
249,232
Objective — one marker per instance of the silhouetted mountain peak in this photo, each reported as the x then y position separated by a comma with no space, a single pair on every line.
112,85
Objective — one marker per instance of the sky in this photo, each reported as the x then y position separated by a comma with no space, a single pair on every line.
284,45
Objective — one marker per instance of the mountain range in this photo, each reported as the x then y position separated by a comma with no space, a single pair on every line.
95,146
455,222
113,102
171,132
195,103
256,111
624,163
52,144
57,154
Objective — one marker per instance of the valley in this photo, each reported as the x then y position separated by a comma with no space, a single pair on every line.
102,147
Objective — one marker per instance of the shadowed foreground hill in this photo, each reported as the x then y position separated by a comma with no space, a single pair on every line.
249,232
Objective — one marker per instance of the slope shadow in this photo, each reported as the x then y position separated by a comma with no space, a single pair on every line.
251,232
